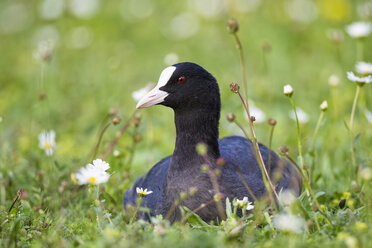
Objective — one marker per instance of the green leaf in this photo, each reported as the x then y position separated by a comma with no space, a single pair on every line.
229,212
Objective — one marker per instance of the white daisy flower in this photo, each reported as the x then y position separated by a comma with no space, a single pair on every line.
324,106
92,175
288,90
362,80
44,51
333,80
303,117
138,94
142,192
359,30
289,223
363,68
245,203
99,164
47,141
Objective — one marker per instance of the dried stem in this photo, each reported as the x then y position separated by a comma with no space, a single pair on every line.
270,144
242,65
104,209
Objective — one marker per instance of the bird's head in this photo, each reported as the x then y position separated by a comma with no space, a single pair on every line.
184,86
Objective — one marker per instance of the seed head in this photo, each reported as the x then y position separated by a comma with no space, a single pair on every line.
283,150
232,25
113,112
234,87
272,122
230,117
183,195
253,119
116,120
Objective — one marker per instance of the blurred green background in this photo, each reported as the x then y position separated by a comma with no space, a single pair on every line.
99,52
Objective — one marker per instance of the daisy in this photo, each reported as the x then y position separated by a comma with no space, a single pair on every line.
363,68
289,223
138,94
359,30
303,117
361,80
142,192
93,174
47,142
324,106
245,203
288,90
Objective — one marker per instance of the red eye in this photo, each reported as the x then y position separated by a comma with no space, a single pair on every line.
181,80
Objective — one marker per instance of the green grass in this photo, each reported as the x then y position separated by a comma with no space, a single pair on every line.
80,86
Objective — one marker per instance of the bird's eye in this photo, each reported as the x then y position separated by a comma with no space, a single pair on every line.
181,80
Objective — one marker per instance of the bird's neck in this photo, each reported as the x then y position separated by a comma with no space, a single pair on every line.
193,127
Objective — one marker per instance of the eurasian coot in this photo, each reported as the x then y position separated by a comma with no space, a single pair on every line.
193,94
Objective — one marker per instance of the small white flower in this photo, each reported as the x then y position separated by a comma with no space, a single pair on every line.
363,68
324,106
289,223
359,29
303,117
142,192
170,59
245,203
93,174
116,153
44,51
99,164
368,115
334,80
362,80
138,94
47,141
288,90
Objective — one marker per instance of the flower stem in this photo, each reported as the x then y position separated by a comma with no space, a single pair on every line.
270,144
242,65
353,158
316,130
135,213
298,133
267,181
242,128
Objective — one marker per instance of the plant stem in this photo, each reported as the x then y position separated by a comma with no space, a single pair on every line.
242,128
242,65
270,144
298,133
353,158
267,181
316,130
100,139
104,209
135,213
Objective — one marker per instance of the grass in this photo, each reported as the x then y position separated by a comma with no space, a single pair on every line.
75,91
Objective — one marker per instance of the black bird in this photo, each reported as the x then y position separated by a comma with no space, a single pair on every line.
193,94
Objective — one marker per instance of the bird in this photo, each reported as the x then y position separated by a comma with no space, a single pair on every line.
193,94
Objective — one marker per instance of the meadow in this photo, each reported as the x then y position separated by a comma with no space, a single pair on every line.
72,66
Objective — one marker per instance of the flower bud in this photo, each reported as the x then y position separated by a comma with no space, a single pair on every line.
272,122
113,112
183,196
116,120
288,90
201,149
230,117
253,119
283,149
234,87
232,25
221,161
217,172
324,106
193,190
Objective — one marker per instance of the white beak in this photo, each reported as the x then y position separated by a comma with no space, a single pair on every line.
156,95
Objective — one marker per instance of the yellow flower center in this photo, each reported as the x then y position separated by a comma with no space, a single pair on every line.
47,145
92,180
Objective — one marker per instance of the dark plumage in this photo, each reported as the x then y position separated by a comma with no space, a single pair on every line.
194,96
